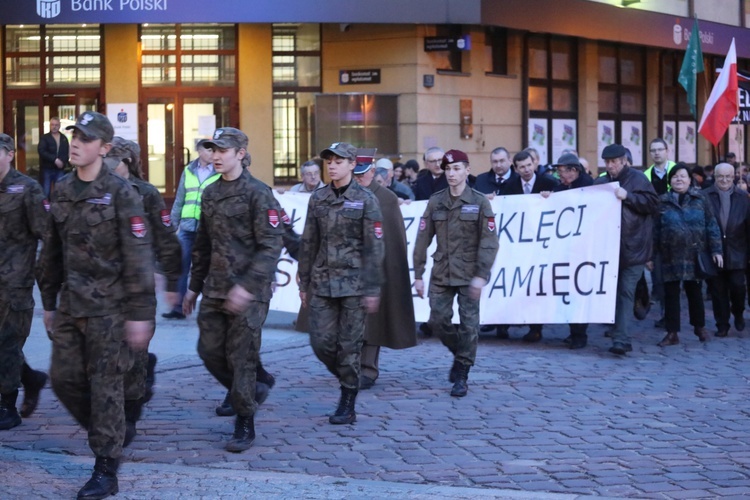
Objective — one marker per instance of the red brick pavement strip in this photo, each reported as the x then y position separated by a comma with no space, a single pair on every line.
659,423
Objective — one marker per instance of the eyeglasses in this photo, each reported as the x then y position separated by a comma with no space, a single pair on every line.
723,177
433,161
659,150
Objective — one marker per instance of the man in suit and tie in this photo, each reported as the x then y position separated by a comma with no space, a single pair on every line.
500,175
433,180
527,181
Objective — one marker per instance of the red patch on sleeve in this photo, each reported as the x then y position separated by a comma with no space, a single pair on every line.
273,218
166,218
491,224
45,204
378,230
285,218
422,224
137,227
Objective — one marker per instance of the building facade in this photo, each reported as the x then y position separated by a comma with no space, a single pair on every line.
397,76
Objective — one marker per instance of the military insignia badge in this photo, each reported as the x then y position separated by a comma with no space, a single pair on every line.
491,224
137,227
378,229
273,218
166,218
422,224
15,189
285,218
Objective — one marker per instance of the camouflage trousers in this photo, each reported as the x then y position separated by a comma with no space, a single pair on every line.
135,378
461,341
337,331
89,360
14,330
229,346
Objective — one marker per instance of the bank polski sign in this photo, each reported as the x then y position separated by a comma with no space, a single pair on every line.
49,9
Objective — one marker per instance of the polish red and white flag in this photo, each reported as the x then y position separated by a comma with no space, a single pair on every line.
723,103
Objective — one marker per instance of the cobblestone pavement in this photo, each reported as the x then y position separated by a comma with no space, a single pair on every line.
539,421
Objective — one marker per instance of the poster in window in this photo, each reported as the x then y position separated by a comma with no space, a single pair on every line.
737,141
632,138
686,142
564,136
605,135
669,134
124,118
539,137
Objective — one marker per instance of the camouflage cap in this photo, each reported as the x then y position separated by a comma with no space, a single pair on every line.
226,138
7,142
94,126
342,150
120,150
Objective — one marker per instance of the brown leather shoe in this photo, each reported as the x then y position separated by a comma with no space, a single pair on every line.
670,339
701,333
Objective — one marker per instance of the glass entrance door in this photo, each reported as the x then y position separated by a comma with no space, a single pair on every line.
174,125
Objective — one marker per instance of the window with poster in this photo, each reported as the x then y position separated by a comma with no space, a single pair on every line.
622,98
552,97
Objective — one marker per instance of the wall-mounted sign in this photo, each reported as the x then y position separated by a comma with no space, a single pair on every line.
124,118
359,76
451,43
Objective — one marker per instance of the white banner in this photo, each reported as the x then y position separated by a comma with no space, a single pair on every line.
557,263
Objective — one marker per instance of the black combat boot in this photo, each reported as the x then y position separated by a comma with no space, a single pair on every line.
244,434
263,377
103,482
452,373
150,377
345,412
460,386
132,416
225,409
9,416
33,381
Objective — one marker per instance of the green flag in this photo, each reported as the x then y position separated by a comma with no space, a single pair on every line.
691,66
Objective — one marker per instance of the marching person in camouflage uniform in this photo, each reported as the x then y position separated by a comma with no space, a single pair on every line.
463,221
125,159
341,271
234,262
23,219
97,256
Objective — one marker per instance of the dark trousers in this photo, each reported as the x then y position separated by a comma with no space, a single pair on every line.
727,294
693,290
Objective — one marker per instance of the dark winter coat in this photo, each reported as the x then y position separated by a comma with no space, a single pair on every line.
683,230
737,234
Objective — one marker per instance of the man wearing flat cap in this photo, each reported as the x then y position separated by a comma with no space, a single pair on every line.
639,204
97,256
341,271
463,221
234,258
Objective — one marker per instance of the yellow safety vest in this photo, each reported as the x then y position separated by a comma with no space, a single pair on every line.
191,209
650,169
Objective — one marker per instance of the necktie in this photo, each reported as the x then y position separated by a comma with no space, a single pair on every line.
526,188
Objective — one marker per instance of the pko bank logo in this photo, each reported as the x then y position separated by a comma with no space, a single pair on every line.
48,8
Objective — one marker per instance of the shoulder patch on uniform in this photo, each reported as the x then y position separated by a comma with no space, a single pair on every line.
15,189
470,209
285,218
273,217
422,224
354,204
378,229
104,200
137,226
491,224
45,204
166,218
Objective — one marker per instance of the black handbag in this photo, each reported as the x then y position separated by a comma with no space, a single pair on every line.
705,266
642,302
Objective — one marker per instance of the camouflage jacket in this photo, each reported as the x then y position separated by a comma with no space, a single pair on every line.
466,238
23,220
238,240
164,235
97,251
342,247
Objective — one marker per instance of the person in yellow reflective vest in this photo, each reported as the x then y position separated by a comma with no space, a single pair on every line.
186,212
